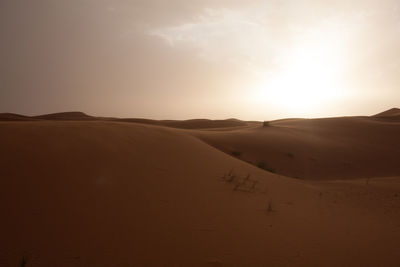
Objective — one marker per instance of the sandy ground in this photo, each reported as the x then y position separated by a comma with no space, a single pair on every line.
102,193
334,148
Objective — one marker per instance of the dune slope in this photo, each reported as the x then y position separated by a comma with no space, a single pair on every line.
125,194
333,148
393,112
190,124
14,117
72,116
80,116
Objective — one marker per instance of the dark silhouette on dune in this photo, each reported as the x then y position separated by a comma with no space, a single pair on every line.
80,116
388,113
73,116
14,117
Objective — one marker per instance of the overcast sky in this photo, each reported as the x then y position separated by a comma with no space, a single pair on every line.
181,59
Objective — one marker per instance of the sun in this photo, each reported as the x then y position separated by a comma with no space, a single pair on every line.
308,79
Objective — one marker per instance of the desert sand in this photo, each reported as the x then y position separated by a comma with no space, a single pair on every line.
85,191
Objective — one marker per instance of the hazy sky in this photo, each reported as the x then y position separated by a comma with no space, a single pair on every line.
181,59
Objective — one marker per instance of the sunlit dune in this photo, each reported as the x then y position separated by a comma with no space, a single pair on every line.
105,192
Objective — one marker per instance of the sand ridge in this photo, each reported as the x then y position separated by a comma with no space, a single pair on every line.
333,148
80,116
104,193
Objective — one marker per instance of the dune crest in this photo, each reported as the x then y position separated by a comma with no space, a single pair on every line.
106,193
80,116
388,113
73,115
333,148
14,117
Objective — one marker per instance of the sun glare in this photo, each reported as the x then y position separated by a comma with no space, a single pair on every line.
308,79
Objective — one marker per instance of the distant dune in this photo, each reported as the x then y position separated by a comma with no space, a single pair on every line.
73,116
190,124
333,148
80,116
110,193
14,117
389,113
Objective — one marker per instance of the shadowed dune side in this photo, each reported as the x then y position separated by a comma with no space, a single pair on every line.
14,117
190,124
333,148
126,194
389,113
80,116
70,116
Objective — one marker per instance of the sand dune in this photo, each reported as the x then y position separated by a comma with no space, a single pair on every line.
80,116
14,117
96,193
333,148
394,112
72,116
190,124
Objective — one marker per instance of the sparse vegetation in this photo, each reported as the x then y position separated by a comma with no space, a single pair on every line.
229,177
269,208
264,166
236,153
266,124
245,184
289,155
261,165
23,261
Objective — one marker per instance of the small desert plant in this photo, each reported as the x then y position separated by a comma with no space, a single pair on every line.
236,154
246,185
261,165
269,207
264,166
266,124
230,177
23,261
289,155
